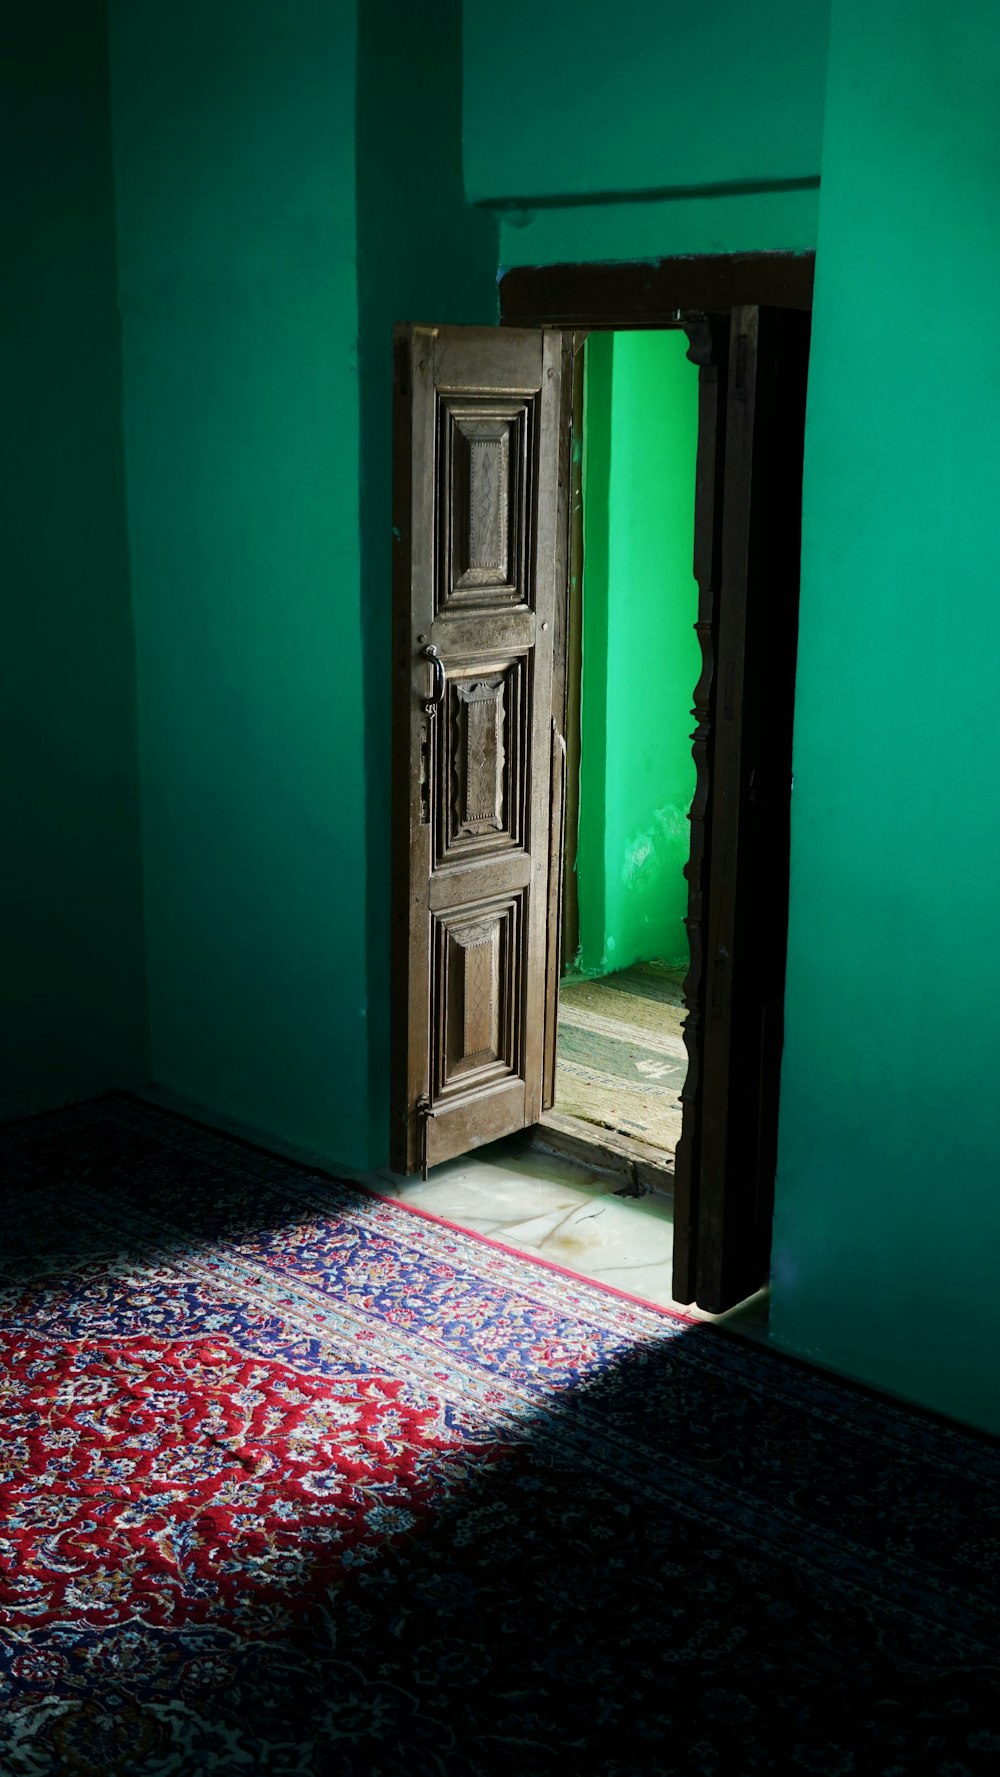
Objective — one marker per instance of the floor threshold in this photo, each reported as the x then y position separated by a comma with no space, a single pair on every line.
641,1168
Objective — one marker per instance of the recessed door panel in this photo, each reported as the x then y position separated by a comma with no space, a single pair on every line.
486,459
482,746
478,968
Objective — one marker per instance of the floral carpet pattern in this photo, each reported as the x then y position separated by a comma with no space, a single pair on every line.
294,1480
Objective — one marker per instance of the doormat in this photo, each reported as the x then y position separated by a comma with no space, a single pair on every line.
295,1480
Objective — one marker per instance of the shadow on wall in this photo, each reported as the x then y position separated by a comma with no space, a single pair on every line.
73,1008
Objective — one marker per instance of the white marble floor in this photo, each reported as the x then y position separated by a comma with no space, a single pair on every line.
544,1205
552,1208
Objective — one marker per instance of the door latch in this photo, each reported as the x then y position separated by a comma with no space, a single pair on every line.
424,1115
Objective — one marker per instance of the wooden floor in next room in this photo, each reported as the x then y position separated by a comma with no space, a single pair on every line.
621,1060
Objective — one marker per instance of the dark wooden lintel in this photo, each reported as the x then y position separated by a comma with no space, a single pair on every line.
652,293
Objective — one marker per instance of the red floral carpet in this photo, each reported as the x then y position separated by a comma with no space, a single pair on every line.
295,1481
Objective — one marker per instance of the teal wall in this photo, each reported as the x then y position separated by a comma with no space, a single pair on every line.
716,222
887,1225
640,656
72,993
700,129
235,173
423,254
887,1215
274,215
274,221
562,101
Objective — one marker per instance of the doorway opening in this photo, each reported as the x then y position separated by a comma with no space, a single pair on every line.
487,922
633,661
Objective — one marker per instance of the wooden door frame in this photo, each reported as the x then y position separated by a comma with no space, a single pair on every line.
621,296
698,295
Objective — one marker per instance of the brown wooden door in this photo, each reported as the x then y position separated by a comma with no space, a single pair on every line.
479,559
750,485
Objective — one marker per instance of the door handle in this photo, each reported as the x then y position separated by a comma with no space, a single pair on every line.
437,689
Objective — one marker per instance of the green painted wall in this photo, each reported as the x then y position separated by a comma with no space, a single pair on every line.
701,132
274,221
640,656
887,1224
887,1216
271,222
235,171
722,222
673,97
72,988
423,255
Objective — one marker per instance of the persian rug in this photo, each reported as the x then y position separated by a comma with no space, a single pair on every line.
295,1480
621,1055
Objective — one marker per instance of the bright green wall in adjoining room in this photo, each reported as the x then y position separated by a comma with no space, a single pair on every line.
591,866
887,1221
640,655
72,987
234,155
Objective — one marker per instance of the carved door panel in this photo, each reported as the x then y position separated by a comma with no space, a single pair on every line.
478,500
748,624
